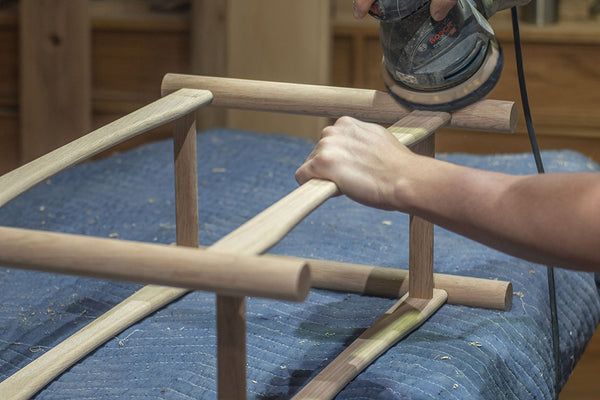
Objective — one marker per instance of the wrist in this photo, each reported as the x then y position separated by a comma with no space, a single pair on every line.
411,183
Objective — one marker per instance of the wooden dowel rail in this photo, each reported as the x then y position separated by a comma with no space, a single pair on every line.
181,267
392,282
157,113
334,102
176,266
389,282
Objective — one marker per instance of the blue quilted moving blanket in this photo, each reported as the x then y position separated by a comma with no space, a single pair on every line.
460,353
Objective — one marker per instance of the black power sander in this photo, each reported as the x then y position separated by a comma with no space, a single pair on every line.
439,65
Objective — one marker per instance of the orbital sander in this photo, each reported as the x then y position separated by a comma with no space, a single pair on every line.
439,65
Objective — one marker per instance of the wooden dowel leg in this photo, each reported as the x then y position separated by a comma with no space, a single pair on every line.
420,263
186,183
231,311
231,348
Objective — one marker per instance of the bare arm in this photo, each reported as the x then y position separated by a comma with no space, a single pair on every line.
552,219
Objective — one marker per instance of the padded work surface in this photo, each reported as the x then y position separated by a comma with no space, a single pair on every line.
460,353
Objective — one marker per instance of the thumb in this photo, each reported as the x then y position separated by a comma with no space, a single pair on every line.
440,8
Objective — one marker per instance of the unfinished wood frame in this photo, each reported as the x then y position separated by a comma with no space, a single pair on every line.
183,96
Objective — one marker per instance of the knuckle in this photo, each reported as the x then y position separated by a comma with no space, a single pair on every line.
345,120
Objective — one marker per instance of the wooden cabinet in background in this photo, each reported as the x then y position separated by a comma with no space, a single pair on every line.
9,124
132,47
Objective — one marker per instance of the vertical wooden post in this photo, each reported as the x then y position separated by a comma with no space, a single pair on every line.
231,311
420,263
231,347
186,184
208,51
55,74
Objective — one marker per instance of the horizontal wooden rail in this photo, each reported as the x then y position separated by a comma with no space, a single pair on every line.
160,112
393,282
334,102
176,266
200,270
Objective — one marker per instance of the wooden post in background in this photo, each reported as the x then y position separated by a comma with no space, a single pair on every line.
55,72
208,39
420,262
284,40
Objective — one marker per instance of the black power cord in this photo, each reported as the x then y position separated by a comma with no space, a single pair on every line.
540,167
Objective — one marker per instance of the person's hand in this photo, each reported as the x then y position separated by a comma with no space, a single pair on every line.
438,8
364,160
362,7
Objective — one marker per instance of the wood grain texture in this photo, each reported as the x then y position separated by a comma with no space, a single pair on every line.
231,348
391,282
404,317
263,45
55,74
186,180
208,51
420,258
9,140
174,266
160,112
334,102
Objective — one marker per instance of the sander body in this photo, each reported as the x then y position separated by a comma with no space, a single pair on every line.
439,65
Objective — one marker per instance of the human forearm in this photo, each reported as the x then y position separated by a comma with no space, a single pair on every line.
550,218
